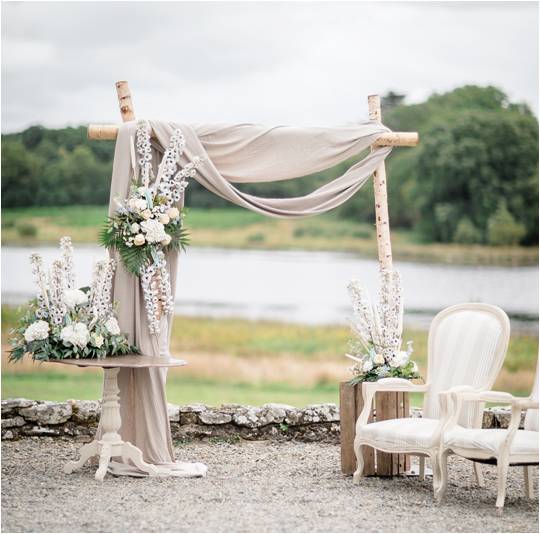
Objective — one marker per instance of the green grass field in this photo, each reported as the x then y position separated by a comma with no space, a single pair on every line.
238,228
238,361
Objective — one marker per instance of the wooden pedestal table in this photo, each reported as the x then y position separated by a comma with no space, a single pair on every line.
111,444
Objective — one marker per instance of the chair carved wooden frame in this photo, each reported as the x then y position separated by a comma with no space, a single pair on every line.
466,346
501,448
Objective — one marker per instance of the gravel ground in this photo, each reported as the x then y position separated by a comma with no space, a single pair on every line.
250,487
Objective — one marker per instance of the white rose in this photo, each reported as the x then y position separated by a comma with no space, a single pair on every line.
367,366
141,190
37,330
379,359
132,203
173,213
139,240
97,340
112,326
74,297
164,219
166,241
141,204
146,214
76,333
135,228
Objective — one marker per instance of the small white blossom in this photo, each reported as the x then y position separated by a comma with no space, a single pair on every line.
76,333
75,297
135,228
97,340
112,326
37,330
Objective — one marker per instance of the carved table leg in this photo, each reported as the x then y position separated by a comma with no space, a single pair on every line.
86,452
111,443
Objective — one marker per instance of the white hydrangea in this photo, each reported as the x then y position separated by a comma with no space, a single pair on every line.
112,326
37,330
154,230
367,366
74,297
76,333
400,359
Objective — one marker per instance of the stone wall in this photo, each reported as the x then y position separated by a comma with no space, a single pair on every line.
78,419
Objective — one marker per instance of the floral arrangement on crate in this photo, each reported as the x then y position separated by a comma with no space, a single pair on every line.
378,328
66,322
147,225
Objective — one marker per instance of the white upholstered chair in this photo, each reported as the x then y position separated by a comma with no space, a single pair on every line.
501,446
466,346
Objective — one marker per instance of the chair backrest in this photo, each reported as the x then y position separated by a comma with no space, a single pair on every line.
466,347
531,417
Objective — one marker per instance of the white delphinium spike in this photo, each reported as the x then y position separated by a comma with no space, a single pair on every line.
57,288
100,290
40,279
66,248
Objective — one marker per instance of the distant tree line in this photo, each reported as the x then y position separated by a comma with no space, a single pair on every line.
472,179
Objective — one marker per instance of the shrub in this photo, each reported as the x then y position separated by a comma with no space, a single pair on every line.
256,238
503,229
467,233
27,230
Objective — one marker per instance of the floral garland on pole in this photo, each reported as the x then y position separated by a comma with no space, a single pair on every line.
378,329
147,225
65,322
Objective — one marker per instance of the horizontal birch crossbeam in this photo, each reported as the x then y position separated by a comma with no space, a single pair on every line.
108,132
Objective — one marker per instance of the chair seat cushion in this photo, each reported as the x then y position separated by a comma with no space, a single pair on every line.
490,439
409,432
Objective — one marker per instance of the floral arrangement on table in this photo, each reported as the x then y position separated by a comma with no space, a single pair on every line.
378,328
66,322
147,225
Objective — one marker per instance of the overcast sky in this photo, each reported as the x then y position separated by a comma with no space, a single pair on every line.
300,63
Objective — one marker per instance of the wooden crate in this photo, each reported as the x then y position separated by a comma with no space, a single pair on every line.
387,405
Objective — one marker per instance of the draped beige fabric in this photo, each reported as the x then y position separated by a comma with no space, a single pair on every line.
240,153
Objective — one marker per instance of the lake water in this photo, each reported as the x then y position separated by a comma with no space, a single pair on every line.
304,287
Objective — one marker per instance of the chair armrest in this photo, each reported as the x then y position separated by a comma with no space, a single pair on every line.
385,384
460,396
394,384
497,396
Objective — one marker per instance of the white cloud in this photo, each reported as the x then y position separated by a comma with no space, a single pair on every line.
273,62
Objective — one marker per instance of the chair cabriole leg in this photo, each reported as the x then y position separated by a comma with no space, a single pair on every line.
359,452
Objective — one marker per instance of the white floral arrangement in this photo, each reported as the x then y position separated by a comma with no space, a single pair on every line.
378,329
66,322
148,224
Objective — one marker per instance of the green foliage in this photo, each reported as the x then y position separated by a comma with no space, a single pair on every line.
466,232
27,229
503,229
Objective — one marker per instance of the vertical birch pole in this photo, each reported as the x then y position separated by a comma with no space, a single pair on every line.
124,101
382,222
